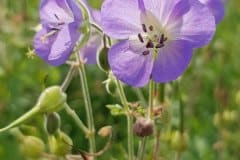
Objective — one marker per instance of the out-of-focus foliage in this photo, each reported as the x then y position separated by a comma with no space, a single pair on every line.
210,86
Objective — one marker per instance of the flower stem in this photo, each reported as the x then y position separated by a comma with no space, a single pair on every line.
88,105
151,96
157,143
181,109
68,78
78,121
129,120
141,148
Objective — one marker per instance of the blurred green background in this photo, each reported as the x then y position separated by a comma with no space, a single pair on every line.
210,86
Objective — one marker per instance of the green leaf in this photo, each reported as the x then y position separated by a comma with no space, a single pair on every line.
116,109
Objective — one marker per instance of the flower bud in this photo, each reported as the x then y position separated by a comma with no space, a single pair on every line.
53,122
143,127
238,98
32,147
52,99
60,144
179,141
102,60
105,131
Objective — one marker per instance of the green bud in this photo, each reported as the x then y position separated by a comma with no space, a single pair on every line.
229,116
105,131
29,130
143,127
179,141
52,99
102,60
217,120
60,144
238,98
32,147
53,123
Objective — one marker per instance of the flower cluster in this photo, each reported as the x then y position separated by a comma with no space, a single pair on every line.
155,39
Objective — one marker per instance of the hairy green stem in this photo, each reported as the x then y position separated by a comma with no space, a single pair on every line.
181,108
88,105
151,96
68,78
75,117
129,120
141,148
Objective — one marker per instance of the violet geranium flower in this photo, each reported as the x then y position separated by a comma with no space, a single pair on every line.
157,37
216,7
60,20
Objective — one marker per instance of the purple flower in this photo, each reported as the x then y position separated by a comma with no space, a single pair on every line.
216,7
157,37
89,52
60,20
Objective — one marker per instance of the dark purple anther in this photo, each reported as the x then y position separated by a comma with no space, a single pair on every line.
160,45
146,53
150,44
140,38
151,28
144,28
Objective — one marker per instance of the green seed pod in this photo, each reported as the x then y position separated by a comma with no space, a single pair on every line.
60,144
179,141
143,127
52,99
53,123
102,60
32,147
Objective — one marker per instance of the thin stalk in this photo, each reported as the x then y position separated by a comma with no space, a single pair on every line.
68,78
157,143
88,105
151,96
181,109
141,148
75,117
129,120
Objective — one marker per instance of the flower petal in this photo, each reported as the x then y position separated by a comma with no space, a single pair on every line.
167,10
197,25
217,8
53,12
43,46
121,18
130,67
172,61
63,44
89,52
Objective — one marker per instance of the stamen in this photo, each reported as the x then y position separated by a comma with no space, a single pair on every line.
140,38
144,27
151,28
160,45
150,44
147,52
162,39
56,17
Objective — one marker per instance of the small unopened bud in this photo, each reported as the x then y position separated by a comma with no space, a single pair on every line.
143,127
179,141
238,98
60,144
52,99
102,60
105,131
53,122
32,147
